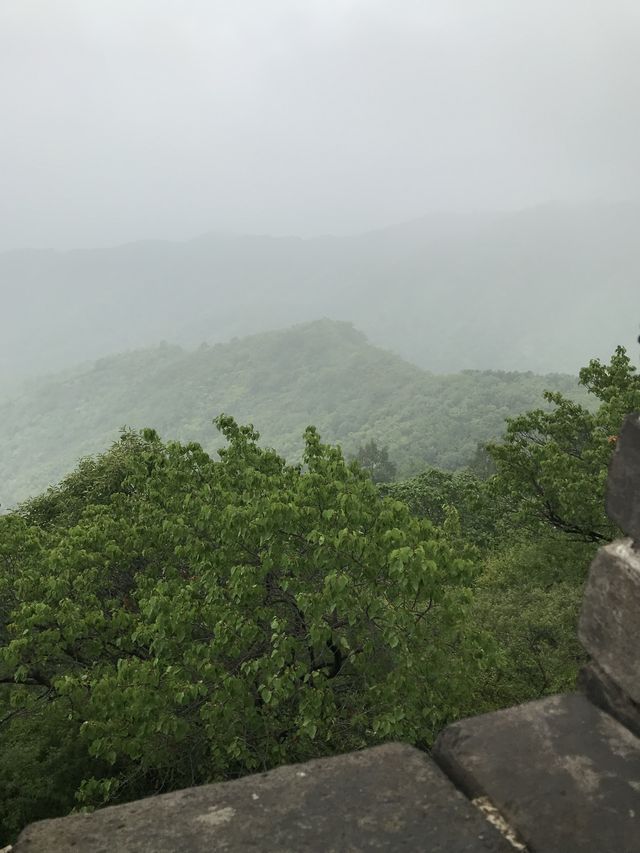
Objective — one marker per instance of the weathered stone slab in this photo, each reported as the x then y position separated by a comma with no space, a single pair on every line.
565,775
609,626
623,483
606,694
390,798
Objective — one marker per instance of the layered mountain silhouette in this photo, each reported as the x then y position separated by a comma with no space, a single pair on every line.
543,289
324,373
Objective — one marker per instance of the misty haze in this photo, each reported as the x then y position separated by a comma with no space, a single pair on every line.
336,298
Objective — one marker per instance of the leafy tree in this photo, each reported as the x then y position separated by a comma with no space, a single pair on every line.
170,620
434,494
547,503
375,460
552,465
537,521
527,599
481,463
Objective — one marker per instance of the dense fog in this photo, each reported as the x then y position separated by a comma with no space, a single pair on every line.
130,120
504,134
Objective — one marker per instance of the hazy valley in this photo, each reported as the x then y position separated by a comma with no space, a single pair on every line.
542,289
323,373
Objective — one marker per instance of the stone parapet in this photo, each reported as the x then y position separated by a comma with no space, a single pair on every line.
388,798
563,773
609,696
609,626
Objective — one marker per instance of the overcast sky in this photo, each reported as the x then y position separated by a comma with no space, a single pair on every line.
126,119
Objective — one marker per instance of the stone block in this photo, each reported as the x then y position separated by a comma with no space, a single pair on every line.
623,484
390,798
565,775
606,694
609,627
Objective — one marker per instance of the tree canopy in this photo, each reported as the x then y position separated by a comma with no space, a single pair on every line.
170,619
552,464
376,461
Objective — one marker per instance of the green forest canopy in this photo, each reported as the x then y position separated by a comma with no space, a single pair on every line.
167,618
325,373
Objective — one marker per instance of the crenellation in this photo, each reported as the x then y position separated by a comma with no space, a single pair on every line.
609,624
603,692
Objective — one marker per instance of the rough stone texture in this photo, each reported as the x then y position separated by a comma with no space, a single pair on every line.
606,694
565,775
610,620
389,798
623,484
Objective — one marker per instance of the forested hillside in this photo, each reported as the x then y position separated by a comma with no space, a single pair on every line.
324,373
171,619
543,289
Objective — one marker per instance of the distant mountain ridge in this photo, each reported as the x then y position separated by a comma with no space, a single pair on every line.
541,289
324,373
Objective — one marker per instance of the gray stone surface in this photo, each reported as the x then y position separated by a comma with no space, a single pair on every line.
623,484
389,798
609,626
563,773
606,694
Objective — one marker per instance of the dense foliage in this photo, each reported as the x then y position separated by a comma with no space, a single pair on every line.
535,517
323,373
168,619
553,464
376,462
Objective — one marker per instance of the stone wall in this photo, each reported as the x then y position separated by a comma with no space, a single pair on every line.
560,775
